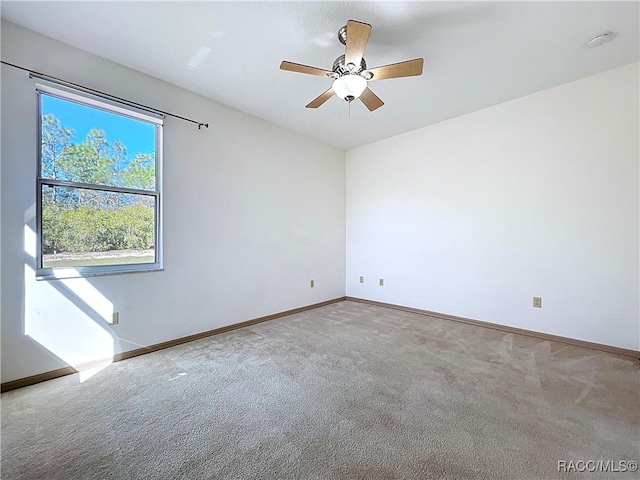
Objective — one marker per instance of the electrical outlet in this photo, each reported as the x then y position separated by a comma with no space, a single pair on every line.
361,279
382,282
312,284
115,318
537,302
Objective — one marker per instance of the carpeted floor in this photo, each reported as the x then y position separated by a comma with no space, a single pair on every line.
345,391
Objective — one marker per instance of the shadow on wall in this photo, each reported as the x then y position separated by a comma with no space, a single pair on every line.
68,317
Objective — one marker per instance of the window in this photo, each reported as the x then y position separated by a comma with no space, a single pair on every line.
98,188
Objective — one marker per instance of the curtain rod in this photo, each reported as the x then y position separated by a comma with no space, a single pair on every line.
60,81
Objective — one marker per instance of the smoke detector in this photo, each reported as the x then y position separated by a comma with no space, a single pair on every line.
599,39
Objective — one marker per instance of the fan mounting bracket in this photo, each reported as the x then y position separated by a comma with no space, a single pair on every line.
342,35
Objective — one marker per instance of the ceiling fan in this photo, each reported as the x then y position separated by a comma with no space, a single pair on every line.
350,74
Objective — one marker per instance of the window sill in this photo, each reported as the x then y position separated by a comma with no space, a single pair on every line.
83,272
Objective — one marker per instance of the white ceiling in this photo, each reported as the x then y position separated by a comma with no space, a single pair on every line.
476,54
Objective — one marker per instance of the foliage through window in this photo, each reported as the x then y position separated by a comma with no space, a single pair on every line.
98,186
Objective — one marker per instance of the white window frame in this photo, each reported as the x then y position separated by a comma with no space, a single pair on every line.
119,108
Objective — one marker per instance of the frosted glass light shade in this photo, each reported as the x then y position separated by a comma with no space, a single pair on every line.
349,87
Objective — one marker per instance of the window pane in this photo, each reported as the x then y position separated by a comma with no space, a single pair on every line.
82,227
85,144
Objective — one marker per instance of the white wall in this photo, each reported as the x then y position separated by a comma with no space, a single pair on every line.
252,212
534,197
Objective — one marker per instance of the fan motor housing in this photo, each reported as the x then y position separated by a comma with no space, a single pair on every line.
341,69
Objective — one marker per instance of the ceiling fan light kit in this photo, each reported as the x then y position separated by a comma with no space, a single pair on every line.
349,72
349,87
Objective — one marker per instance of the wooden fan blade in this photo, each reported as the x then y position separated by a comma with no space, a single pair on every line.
357,38
321,99
371,100
299,68
410,68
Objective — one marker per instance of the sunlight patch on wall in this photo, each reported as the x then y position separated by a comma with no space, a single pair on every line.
64,317
91,296
30,241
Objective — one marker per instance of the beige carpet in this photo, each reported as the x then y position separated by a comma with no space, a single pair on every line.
346,391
